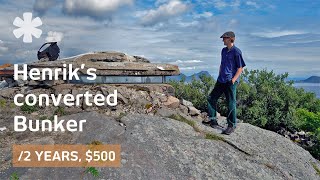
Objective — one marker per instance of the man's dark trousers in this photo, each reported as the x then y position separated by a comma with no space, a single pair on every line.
229,90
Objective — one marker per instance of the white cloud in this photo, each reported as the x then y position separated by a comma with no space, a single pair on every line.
203,15
253,4
41,6
188,24
273,34
54,36
187,68
233,22
187,61
3,48
94,8
221,4
162,13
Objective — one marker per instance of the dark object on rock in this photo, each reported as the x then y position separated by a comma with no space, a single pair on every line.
51,52
229,130
3,84
213,124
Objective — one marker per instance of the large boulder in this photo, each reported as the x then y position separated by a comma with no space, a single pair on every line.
172,102
155,147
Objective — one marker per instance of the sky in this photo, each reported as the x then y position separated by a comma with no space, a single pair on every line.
278,35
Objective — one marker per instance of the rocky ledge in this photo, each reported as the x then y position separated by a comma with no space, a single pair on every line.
161,137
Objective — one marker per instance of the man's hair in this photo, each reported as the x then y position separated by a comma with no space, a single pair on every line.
232,39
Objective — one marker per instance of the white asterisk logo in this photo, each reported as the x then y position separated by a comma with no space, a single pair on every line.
27,27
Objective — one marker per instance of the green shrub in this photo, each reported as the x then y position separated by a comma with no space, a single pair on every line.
196,91
308,121
314,150
266,99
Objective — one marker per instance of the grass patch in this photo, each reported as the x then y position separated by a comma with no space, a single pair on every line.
219,138
14,176
180,118
28,109
51,118
43,117
147,106
121,115
315,167
12,105
60,111
214,137
209,136
3,103
95,142
93,171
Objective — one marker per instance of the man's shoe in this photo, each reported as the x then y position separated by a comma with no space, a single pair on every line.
229,130
211,123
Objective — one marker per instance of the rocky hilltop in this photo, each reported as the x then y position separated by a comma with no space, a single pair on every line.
161,138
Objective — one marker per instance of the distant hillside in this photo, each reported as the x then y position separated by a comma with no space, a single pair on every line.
188,78
312,79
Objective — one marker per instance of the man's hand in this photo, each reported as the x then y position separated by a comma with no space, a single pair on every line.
239,71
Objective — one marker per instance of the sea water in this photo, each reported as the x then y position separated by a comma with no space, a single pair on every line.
309,87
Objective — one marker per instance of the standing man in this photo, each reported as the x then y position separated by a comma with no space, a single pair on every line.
231,67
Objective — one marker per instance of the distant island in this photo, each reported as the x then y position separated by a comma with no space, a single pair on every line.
312,79
188,78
